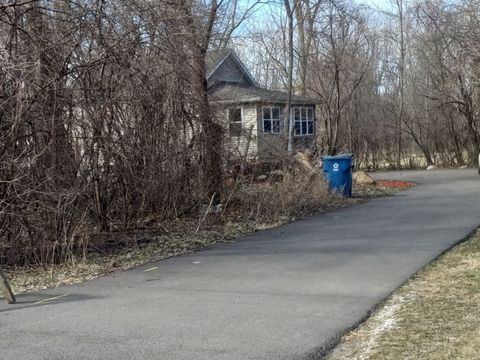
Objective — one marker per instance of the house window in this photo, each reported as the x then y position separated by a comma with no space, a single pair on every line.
303,118
235,121
271,119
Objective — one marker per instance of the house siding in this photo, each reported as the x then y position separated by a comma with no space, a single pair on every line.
244,146
254,143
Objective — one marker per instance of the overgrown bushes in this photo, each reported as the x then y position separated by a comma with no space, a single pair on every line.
96,128
295,194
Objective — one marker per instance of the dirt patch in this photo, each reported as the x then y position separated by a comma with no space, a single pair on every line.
395,184
380,189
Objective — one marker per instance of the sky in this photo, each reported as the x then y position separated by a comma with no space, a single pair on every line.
260,12
380,4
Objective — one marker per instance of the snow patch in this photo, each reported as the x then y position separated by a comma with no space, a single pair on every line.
385,320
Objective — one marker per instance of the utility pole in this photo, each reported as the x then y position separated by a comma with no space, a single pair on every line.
6,289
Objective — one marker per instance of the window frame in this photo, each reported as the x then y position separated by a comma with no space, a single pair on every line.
272,119
235,122
302,120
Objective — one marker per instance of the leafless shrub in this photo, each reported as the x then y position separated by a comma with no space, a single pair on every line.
99,122
296,193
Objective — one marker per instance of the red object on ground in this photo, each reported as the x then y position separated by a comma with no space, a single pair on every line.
396,184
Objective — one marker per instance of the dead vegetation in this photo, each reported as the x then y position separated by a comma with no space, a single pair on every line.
295,194
434,316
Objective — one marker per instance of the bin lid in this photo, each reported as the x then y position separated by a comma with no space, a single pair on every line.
337,157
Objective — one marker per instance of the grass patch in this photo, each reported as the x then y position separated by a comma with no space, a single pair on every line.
435,315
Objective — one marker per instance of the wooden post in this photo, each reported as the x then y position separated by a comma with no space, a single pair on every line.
6,289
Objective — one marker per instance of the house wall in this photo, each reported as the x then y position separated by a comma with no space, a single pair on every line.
244,146
254,143
230,72
273,145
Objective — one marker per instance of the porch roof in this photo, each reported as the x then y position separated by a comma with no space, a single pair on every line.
235,94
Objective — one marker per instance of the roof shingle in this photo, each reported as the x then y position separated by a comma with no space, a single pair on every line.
234,94
213,59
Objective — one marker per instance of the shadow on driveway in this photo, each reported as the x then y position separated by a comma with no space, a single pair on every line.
26,301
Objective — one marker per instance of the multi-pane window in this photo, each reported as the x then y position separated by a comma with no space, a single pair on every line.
303,117
271,119
235,121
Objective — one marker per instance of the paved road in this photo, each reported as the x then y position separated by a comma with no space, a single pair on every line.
280,294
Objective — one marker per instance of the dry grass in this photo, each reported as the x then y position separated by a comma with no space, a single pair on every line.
24,279
435,315
295,195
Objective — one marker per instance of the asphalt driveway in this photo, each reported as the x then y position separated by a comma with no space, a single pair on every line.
285,293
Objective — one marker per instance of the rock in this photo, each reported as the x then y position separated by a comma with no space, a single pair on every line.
463,167
431,167
362,178
262,177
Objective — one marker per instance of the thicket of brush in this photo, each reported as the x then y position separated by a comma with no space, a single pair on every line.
99,128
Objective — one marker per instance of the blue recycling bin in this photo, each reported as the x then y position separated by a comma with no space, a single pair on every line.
338,173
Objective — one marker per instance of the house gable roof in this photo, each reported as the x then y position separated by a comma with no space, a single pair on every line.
230,82
224,66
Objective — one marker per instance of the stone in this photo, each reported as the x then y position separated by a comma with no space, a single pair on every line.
431,167
362,178
262,177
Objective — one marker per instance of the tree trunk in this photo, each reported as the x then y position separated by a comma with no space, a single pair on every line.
288,111
401,83
212,133
6,289
306,15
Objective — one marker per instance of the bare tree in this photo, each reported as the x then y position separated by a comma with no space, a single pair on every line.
306,16
342,51
6,289
290,10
